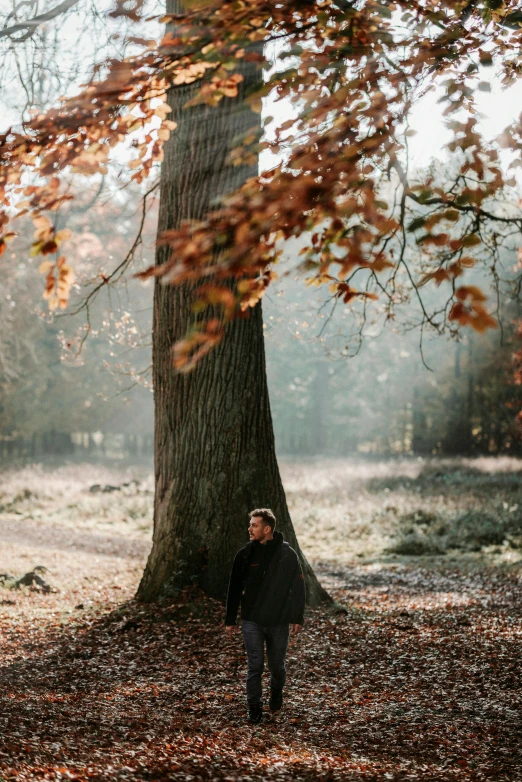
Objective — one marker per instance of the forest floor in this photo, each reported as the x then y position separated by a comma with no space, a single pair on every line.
420,678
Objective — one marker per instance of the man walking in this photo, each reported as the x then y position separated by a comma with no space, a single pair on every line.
267,580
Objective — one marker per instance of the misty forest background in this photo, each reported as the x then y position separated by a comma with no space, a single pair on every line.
400,453
337,388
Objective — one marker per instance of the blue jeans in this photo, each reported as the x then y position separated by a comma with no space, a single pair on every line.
254,637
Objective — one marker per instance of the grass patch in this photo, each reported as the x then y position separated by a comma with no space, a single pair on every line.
422,533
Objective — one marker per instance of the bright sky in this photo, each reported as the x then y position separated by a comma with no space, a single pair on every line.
500,107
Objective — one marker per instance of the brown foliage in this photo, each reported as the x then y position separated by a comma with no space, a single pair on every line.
418,680
353,75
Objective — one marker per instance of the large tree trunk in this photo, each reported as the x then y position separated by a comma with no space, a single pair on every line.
214,444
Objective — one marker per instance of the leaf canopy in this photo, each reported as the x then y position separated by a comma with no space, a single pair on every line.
352,72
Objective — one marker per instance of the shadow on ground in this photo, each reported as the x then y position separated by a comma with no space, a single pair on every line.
419,680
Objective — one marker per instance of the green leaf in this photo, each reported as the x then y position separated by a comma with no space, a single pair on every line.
35,249
452,215
417,223
470,241
424,195
513,20
384,12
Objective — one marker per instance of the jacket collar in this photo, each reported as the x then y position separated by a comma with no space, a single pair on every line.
278,538
276,541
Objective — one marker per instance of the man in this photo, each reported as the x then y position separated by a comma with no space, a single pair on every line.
267,579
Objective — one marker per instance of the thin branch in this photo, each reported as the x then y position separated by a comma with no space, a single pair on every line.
125,262
395,163
31,25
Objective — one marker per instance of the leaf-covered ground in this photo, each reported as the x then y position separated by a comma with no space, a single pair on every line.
419,680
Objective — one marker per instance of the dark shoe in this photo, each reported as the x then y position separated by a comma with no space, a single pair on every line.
276,700
255,714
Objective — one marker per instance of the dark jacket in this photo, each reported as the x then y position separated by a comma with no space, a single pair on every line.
267,580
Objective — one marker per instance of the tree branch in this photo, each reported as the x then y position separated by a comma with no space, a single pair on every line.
448,203
124,263
30,25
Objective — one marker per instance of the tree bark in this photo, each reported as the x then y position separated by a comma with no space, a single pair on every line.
214,443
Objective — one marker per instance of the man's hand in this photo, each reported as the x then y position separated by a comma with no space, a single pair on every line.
294,629
230,629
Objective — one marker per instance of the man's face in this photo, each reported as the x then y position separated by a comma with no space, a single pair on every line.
258,529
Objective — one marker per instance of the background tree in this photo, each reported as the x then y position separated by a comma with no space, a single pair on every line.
50,384
52,390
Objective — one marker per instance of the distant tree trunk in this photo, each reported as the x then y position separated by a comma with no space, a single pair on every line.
419,424
320,398
458,438
214,443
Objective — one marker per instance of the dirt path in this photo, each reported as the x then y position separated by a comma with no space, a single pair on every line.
41,536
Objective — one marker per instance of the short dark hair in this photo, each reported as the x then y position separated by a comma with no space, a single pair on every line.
267,516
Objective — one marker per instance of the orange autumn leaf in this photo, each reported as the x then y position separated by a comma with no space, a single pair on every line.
339,171
470,292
